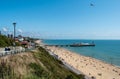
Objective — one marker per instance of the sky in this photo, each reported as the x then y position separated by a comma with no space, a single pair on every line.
62,19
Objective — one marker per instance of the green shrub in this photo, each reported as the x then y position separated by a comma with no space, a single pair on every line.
5,41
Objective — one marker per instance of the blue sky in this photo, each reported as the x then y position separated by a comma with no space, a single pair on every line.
62,19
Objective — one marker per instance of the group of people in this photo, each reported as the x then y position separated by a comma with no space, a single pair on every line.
7,49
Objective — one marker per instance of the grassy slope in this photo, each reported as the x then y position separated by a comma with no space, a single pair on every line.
36,65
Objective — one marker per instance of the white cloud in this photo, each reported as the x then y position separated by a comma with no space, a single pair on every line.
19,30
5,29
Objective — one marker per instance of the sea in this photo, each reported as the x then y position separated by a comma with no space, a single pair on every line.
105,50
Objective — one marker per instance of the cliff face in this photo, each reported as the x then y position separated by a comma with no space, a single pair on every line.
37,64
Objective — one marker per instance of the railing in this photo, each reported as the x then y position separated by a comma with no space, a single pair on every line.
14,50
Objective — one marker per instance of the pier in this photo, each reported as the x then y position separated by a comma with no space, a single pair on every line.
75,45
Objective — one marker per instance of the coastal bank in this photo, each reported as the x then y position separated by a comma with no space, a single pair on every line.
35,64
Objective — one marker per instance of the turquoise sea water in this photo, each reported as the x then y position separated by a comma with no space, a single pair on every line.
105,50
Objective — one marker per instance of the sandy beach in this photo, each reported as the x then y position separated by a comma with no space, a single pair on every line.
89,66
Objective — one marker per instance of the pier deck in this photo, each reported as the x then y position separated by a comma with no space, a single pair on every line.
74,45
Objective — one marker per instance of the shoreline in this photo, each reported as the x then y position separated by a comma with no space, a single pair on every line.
90,66
94,58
